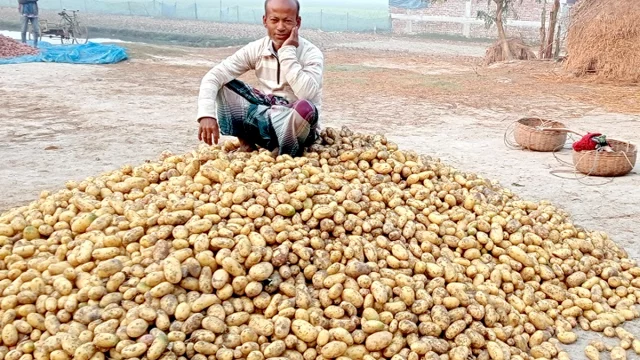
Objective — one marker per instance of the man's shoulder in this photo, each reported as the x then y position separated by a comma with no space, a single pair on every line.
309,47
257,46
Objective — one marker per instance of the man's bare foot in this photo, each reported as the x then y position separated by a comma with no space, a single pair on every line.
245,146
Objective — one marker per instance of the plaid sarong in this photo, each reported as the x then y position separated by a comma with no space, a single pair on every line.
267,121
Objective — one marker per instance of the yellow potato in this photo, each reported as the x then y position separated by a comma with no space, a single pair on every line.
105,340
134,350
172,270
304,331
378,341
81,223
85,351
333,349
618,353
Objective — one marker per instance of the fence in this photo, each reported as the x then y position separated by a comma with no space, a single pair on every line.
458,17
335,19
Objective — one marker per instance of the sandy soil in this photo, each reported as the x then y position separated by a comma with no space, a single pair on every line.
63,122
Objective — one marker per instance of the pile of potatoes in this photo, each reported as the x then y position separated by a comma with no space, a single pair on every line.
10,48
356,250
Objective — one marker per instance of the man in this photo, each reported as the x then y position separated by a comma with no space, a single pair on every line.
282,116
28,10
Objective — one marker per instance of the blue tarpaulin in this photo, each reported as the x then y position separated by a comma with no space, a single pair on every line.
89,53
410,4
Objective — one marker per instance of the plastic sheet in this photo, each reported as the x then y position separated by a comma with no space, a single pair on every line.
409,4
89,53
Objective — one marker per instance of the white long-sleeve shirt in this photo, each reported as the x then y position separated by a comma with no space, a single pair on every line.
292,73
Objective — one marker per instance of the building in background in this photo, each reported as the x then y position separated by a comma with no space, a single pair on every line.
459,18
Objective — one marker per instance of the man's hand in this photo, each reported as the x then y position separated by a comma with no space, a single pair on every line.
209,130
293,38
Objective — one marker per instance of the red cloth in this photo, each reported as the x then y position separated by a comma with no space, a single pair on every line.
586,143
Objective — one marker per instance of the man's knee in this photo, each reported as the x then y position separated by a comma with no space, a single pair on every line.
305,109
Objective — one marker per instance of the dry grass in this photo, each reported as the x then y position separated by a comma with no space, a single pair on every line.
519,51
604,40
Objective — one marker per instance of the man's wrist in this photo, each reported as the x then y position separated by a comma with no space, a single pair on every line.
286,48
207,117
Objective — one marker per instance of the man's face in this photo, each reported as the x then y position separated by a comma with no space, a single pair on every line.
280,18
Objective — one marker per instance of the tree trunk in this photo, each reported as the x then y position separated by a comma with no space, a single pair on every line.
543,29
548,51
506,51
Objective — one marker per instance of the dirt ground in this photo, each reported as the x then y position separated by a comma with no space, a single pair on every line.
63,122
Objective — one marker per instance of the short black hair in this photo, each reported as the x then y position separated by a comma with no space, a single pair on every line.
295,1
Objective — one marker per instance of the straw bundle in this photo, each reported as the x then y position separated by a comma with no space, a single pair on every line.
519,51
604,40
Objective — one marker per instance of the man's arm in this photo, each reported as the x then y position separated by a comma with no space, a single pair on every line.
229,69
303,75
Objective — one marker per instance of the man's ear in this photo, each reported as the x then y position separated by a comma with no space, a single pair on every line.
264,20
299,22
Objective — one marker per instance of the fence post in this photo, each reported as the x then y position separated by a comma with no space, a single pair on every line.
347,21
195,9
238,13
320,19
220,10
61,7
85,5
129,4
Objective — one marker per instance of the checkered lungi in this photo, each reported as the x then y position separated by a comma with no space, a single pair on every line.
267,121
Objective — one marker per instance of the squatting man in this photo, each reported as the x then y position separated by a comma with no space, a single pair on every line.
282,114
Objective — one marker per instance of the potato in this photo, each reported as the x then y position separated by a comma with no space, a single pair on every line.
459,353
85,351
172,271
304,331
592,353
137,328
134,350
105,341
108,268
9,335
495,351
618,353
275,349
81,223
567,337
378,340
333,349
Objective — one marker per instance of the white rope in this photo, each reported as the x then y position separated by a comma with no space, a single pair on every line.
509,137
580,176
509,141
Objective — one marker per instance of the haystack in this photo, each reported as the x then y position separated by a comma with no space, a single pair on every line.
519,51
604,40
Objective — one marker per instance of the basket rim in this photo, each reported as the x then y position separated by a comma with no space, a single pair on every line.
632,149
520,123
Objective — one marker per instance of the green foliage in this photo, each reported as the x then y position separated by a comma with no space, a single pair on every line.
508,11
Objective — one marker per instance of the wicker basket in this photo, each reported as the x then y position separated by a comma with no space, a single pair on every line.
602,163
529,134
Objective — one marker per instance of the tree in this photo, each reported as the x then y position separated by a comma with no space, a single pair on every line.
553,20
498,17
543,34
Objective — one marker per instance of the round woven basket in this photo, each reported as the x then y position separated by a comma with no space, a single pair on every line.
602,163
529,134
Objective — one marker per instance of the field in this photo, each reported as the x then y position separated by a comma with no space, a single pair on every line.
328,16
64,122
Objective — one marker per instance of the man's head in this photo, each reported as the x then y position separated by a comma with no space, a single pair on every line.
280,17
